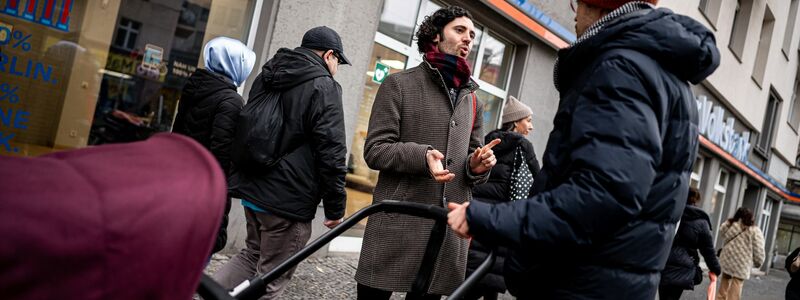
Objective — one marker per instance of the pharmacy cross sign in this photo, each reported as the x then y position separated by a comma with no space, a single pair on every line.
381,71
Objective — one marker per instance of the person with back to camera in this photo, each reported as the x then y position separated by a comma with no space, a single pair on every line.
742,250
682,271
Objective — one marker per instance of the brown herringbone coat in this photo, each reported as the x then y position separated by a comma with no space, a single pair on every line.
411,114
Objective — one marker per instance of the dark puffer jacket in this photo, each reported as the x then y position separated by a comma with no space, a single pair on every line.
694,233
207,113
616,169
312,141
496,190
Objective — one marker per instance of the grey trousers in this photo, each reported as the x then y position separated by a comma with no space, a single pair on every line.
270,240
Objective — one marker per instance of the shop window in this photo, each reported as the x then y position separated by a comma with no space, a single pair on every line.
741,24
397,19
697,171
720,189
495,61
768,128
127,32
710,9
766,215
787,238
789,32
491,110
91,84
763,47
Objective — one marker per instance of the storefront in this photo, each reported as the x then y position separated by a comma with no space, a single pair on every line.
729,174
78,73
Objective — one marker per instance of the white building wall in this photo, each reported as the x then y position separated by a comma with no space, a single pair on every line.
733,79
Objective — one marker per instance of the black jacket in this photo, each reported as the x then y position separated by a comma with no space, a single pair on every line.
616,169
496,190
313,141
207,113
793,288
694,233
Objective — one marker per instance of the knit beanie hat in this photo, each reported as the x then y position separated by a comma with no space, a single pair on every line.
614,4
515,110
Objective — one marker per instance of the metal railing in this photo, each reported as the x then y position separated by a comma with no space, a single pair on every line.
256,287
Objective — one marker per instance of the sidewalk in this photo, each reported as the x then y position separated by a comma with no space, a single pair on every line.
319,278
771,286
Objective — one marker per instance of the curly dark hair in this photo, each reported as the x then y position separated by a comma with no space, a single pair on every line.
434,24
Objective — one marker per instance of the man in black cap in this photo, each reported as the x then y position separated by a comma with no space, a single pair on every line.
281,199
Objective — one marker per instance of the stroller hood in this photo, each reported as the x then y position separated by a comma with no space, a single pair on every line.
122,221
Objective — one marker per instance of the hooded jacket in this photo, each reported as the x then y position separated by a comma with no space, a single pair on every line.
694,233
312,143
616,167
207,113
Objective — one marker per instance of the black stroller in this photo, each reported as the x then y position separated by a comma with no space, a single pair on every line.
254,288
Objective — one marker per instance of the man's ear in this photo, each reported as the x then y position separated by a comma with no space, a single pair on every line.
436,38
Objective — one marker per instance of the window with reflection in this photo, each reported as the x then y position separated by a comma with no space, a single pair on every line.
495,62
397,19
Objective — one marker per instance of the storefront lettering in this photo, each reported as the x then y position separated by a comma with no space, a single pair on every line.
720,131
10,117
182,69
26,68
132,66
45,17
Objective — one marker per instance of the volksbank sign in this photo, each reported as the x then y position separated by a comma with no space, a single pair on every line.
720,131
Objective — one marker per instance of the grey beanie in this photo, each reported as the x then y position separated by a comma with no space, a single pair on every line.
515,110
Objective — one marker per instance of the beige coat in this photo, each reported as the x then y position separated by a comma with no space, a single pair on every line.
742,252
411,114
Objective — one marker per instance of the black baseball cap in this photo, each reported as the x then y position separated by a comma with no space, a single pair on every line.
324,38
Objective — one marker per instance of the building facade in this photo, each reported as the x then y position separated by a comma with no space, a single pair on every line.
749,114
81,73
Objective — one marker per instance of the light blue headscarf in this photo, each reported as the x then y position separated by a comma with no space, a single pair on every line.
229,57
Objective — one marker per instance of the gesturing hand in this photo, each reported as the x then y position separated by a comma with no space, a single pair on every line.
435,166
482,160
457,219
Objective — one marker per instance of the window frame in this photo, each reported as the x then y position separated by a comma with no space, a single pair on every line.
415,58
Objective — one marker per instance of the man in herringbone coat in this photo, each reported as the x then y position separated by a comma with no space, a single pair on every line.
425,138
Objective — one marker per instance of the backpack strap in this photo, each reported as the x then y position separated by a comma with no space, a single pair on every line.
474,109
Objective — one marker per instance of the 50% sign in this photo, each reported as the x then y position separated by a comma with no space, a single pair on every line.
16,38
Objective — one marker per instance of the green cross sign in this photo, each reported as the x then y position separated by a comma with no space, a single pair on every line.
381,71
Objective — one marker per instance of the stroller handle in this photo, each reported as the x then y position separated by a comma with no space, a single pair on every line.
254,288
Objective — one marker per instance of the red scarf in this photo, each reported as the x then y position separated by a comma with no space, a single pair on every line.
454,69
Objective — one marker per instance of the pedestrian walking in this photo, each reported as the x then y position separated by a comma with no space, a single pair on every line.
511,179
425,138
617,164
210,105
793,267
289,153
742,250
683,271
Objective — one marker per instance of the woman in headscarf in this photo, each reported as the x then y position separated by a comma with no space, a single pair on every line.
210,105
